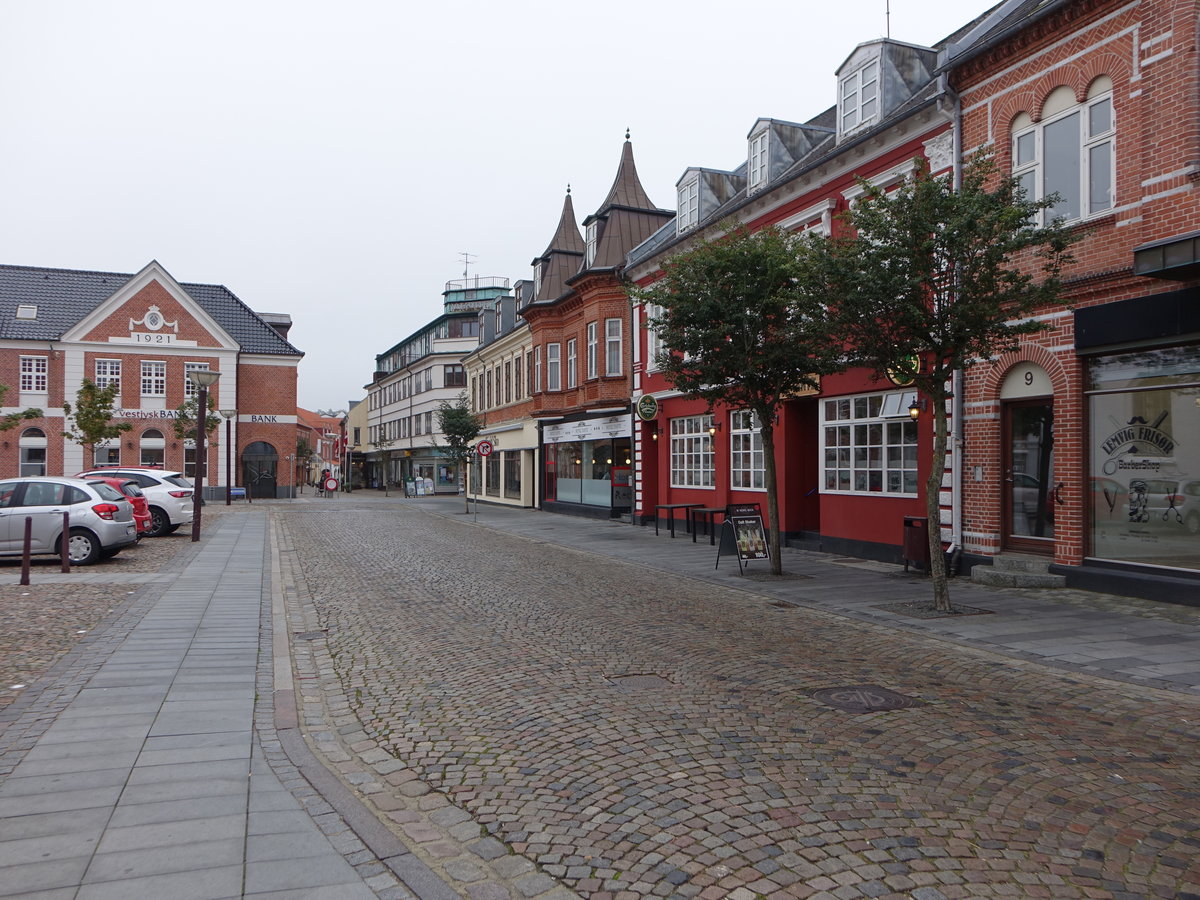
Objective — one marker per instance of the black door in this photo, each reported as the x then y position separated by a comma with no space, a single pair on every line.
259,465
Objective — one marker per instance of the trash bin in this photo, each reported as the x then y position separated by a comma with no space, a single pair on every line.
916,541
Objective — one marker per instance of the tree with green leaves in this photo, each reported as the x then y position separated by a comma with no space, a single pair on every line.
936,280
459,426
12,420
90,421
185,420
744,322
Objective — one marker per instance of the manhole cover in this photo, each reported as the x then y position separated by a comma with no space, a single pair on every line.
628,683
863,698
309,635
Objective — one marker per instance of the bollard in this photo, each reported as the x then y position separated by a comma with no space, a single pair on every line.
66,545
25,551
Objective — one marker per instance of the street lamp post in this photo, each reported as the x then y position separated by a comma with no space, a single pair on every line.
228,414
205,379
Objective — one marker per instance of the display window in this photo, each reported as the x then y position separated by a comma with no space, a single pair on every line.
1144,447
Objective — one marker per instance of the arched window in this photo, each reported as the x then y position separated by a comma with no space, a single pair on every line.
33,452
154,448
1070,152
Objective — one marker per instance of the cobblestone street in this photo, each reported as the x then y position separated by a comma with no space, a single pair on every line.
633,732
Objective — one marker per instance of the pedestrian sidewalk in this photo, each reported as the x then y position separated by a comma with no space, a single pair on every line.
1122,638
150,779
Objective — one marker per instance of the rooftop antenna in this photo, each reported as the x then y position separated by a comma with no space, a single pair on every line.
887,15
466,258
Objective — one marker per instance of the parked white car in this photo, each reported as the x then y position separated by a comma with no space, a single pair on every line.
101,519
168,493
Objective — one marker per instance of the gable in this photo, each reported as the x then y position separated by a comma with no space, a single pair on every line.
151,309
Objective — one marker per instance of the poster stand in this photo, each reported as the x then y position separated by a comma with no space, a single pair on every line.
743,535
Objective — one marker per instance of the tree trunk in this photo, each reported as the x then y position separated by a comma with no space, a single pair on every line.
768,439
933,506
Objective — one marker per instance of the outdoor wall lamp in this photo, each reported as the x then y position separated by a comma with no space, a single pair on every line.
714,428
917,407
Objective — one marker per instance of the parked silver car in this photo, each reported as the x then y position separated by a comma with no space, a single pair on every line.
168,493
101,518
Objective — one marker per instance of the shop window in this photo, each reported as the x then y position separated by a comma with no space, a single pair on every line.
1144,454
866,448
512,474
153,448
493,475
691,452
746,461
108,454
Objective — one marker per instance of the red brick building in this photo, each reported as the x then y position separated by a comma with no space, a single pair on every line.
1084,446
145,332
581,335
851,463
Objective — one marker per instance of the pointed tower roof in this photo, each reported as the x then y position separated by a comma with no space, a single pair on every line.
566,237
625,218
562,258
627,190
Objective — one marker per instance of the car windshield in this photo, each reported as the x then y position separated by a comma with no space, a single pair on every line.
178,481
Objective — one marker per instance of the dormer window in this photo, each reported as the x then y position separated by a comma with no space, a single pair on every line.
758,161
537,278
592,237
858,100
689,205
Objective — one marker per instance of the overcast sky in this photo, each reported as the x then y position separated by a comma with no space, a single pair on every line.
333,161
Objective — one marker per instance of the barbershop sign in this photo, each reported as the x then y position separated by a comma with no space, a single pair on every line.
587,430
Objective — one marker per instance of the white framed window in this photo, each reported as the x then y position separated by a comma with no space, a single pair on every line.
553,367
591,239
571,364
691,452
593,349
153,447
108,371
858,99
612,347
655,345
747,469
869,445
689,205
757,167
1070,152
34,371
190,388
154,378
536,372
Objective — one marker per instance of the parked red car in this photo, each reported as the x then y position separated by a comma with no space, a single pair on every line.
132,492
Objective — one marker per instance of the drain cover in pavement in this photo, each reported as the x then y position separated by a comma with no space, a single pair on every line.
309,635
628,683
863,698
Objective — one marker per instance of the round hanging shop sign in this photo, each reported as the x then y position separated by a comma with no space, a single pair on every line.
484,448
647,407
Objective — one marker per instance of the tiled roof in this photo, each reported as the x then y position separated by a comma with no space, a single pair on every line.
65,296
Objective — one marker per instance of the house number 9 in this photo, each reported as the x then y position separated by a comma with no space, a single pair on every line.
1029,378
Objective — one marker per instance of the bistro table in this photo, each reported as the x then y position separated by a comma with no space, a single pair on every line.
706,513
670,508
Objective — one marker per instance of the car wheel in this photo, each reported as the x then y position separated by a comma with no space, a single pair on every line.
170,529
160,523
83,547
